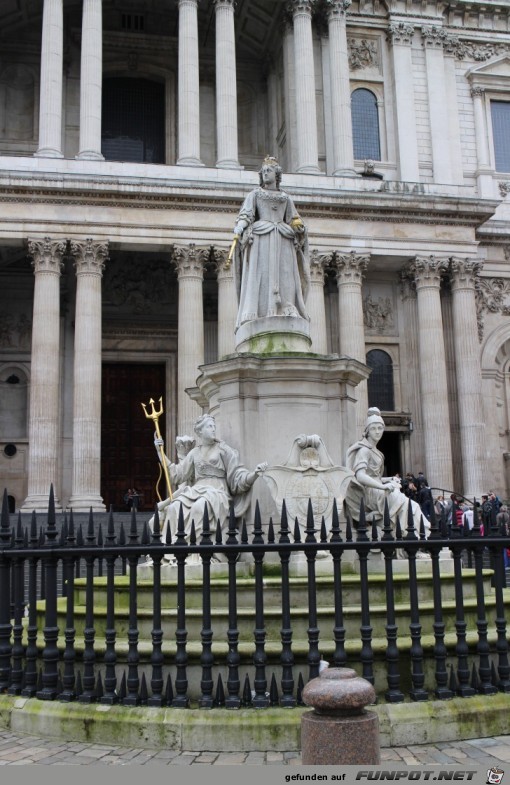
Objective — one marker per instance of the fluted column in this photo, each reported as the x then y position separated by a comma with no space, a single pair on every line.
47,262
227,302
483,170
343,155
350,270
226,86
306,108
400,36
289,88
450,78
469,376
91,80
189,261
315,304
439,107
427,273
89,259
50,100
189,89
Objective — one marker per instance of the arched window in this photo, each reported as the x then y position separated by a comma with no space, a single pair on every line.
365,125
380,381
133,120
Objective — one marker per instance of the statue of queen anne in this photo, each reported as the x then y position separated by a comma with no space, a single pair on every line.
272,263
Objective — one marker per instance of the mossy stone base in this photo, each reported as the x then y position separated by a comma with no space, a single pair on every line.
248,730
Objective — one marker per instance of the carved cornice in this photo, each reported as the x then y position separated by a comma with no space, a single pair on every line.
350,267
190,260
47,255
400,33
89,256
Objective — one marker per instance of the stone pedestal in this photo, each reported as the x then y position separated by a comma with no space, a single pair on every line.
339,730
262,402
274,334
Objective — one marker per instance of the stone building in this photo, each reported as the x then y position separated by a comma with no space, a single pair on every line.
130,132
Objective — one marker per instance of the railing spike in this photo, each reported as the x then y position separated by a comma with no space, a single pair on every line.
219,699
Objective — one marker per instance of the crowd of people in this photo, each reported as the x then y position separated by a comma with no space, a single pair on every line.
456,510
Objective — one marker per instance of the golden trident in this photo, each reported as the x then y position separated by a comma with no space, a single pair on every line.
155,415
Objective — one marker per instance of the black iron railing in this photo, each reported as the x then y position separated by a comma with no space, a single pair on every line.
61,636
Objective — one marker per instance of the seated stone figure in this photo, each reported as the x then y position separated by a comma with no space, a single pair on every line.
210,473
367,464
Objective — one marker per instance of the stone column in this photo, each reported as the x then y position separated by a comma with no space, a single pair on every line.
189,261
409,367
50,101
469,376
91,80
350,270
400,36
189,89
306,108
432,362
439,107
315,303
450,78
289,87
343,155
483,171
89,259
226,86
43,426
227,302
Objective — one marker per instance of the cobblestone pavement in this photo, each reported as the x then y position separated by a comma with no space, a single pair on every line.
16,750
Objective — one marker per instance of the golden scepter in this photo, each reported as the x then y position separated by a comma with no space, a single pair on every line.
155,415
231,252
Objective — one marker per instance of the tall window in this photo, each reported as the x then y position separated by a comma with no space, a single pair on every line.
365,125
500,113
380,381
133,120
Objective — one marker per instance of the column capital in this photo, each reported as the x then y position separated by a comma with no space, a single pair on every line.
192,3
433,36
189,260
47,255
224,3
428,270
336,8
400,33
219,260
464,272
477,91
89,256
301,7
318,263
351,267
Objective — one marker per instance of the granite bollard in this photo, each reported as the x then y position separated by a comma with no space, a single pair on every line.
339,730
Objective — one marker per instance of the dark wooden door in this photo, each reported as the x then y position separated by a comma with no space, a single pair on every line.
128,457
